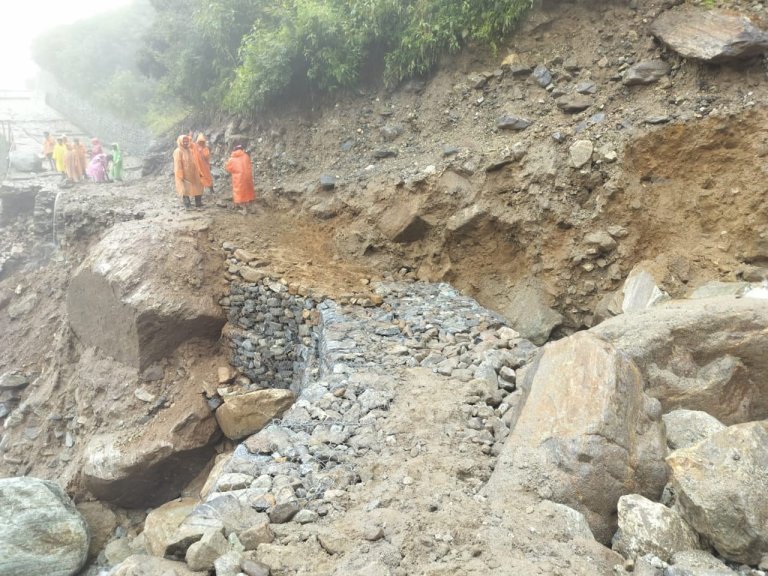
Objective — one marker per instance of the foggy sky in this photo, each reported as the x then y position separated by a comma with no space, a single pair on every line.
23,20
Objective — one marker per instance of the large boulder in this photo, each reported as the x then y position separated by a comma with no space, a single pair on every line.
647,527
721,486
587,434
152,465
145,289
41,531
163,530
709,35
706,354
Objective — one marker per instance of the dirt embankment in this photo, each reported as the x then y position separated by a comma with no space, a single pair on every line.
456,198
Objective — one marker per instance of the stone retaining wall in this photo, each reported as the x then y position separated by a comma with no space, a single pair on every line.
272,340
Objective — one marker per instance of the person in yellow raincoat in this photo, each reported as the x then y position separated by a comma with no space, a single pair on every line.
239,165
59,154
204,161
187,173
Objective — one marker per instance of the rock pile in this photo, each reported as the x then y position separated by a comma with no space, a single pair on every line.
297,469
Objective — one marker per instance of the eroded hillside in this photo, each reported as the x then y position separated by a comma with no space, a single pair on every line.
533,180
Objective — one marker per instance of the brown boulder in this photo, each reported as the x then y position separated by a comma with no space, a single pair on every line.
721,485
153,465
244,414
144,290
587,434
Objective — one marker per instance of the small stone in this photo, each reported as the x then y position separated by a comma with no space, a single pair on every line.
305,516
327,182
580,153
144,395
373,533
283,513
511,122
13,380
226,374
255,535
542,76
254,568
574,103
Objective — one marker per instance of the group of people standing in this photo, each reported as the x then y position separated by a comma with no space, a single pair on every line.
75,163
192,171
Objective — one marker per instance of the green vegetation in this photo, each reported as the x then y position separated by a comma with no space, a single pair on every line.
96,59
241,55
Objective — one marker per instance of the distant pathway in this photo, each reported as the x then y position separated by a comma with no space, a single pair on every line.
29,117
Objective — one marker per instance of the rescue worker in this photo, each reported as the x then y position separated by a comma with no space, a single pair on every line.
239,165
187,173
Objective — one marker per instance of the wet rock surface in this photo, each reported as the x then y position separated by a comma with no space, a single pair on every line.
40,529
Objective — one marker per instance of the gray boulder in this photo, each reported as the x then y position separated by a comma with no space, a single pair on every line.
647,527
721,485
41,531
706,355
687,427
710,35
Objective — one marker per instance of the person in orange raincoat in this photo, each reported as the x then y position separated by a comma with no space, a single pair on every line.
204,161
48,145
239,165
81,154
70,163
187,173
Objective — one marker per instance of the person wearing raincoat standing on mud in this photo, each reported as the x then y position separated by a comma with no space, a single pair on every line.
116,168
59,154
204,161
82,157
187,173
239,165
48,145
